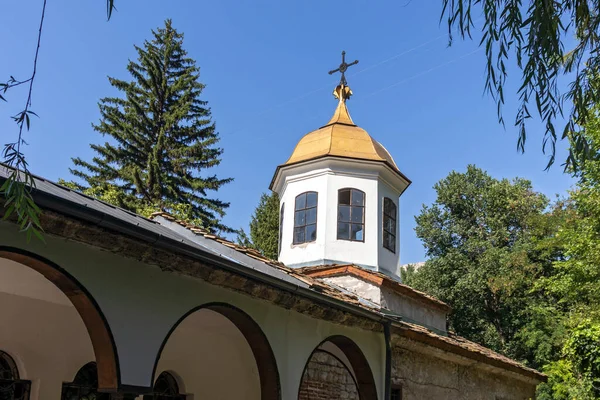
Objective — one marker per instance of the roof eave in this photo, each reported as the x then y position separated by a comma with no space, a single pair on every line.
393,168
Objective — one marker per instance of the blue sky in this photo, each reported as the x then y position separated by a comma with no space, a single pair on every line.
265,65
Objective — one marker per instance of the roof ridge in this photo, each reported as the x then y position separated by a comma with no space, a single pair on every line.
198,230
77,192
347,268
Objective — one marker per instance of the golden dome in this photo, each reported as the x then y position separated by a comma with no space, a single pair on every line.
340,137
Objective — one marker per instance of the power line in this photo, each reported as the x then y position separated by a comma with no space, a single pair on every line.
392,85
329,85
399,55
422,73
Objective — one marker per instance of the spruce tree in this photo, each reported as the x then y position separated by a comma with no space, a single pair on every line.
163,138
264,227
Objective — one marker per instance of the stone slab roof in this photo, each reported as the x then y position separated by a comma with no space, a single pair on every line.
61,200
376,278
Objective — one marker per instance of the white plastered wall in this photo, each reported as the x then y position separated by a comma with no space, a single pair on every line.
211,359
326,177
306,252
364,289
361,253
141,303
41,330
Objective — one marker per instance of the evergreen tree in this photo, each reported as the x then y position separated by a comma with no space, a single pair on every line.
264,227
163,138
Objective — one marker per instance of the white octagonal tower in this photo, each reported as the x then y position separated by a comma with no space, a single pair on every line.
339,195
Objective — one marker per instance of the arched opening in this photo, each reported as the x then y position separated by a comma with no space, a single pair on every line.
337,369
166,387
84,385
11,386
52,324
221,353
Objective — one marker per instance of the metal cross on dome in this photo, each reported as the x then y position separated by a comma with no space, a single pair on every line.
342,68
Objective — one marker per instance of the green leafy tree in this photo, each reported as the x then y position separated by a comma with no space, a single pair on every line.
163,139
544,40
576,374
264,227
488,241
577,277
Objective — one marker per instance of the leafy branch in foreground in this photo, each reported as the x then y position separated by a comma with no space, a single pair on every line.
534,33
18,186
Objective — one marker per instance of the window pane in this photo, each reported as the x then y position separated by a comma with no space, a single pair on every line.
357,214
344,213
311,233
311,199
389,224
389,241
392,212
343,231
344,197
357,232
386,206
280,228
311,215
299,218
301,201
358,198
299,235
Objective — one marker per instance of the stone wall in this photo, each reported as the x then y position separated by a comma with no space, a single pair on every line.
327,378
413,310
425,376
422,372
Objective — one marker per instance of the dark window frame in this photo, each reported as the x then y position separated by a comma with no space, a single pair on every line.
170,391
352,207
304,210
281,215
394,218
10,379
85,383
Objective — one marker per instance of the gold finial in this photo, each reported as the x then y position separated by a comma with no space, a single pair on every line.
342,91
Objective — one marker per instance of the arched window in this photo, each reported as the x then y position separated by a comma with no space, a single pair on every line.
165,388
305,218
84,386
11,387
280,228
351,215
389,224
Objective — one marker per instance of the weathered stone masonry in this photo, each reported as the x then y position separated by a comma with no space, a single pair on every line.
327,378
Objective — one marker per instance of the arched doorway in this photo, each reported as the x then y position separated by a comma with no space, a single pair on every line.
47,314
221,353
337,369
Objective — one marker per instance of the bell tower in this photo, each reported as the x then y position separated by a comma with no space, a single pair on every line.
339,196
